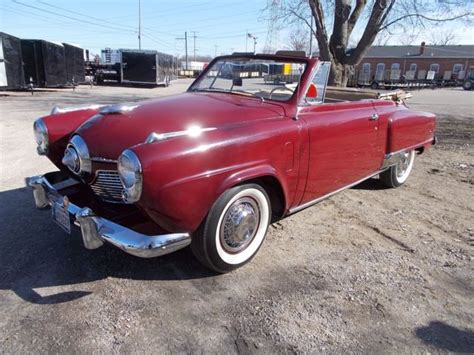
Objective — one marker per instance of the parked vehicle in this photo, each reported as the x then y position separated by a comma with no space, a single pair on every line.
75,64
468,81
143,67
11,64
44,63
214,166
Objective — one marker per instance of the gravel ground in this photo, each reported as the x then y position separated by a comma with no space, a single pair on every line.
369,270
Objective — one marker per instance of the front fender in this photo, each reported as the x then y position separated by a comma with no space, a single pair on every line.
183,177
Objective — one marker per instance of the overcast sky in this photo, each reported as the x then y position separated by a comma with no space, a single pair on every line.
220,26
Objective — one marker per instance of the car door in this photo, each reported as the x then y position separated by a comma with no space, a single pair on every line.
343,145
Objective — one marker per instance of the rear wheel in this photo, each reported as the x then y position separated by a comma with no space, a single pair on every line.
234,229
397,175
467,85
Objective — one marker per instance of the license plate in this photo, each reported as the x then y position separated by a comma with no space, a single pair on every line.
61,217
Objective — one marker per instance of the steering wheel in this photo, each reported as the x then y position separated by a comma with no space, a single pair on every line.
279,88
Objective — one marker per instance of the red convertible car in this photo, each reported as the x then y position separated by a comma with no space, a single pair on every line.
254,139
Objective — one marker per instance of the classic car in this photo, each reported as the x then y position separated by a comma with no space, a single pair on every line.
214,166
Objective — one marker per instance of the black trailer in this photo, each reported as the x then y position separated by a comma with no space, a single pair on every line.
11,65
147,67
44,63
75,65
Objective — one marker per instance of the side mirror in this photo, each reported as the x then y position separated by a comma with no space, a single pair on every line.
237,82
312,92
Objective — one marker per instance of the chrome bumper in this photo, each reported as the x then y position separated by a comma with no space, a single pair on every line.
95,230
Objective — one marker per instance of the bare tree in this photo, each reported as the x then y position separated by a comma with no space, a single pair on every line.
338,22
298,40
442,38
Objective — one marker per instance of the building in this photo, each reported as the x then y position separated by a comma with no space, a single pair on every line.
423,62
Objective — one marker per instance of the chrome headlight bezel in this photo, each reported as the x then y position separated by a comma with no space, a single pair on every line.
41,136
78,148
131,176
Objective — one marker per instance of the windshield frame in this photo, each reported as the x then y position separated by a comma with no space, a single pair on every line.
288,59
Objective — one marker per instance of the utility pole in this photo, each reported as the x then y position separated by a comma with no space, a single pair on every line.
140,24
215,50
247,36
185,47
194,38
311,39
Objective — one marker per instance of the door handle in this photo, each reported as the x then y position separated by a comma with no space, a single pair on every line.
374,117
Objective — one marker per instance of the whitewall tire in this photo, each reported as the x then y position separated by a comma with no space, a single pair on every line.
397,175
234,229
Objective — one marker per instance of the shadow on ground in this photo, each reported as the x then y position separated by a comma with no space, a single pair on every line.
371,184
446,337
35,253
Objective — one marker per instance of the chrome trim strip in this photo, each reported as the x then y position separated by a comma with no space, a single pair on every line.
322,198
192,132
117,108
56,109
95,229
104,160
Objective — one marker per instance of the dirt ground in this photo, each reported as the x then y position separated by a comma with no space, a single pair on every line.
370,270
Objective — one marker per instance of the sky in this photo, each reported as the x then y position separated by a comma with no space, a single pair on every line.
220,26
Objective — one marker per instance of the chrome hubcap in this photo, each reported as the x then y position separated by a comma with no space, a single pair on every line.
403,164
239,225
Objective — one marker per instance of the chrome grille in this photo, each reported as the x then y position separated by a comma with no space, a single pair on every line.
107,186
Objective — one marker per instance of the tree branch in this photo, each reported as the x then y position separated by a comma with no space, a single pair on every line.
424,18
321,34
360,5
379,11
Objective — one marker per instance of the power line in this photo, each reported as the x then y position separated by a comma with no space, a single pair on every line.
222,19
82,14
70,17
240,34
187,10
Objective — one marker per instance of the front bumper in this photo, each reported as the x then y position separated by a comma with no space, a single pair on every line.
95,229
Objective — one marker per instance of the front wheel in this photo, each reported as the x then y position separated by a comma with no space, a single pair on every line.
396,175
234,229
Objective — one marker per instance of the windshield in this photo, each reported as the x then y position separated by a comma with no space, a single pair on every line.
264,78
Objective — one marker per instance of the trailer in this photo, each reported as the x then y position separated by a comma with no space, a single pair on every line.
192,69
11,65
75,65
44,63
147,67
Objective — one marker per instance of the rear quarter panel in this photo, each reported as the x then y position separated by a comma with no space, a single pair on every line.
405,129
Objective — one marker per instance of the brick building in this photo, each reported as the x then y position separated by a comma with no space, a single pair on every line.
422,62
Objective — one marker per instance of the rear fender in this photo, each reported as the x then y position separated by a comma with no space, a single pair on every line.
409,130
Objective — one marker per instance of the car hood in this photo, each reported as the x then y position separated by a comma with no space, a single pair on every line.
108,134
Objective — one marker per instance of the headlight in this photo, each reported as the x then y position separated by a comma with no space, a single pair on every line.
76,156
130,173
41,136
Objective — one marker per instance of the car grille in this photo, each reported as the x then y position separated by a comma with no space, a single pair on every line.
107,186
